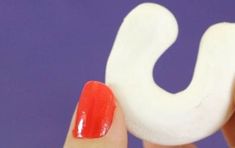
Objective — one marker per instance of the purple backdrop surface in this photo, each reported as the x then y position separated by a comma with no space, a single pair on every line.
49,49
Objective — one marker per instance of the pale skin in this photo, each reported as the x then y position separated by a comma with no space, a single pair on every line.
117,136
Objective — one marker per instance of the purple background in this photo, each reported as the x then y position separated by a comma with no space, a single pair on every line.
49,49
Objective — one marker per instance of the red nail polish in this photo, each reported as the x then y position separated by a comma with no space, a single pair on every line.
95,111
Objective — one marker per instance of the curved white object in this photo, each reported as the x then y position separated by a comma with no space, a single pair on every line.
152,113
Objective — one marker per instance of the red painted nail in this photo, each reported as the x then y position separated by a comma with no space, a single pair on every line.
95,111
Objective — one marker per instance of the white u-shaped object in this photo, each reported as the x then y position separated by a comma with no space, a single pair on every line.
152,113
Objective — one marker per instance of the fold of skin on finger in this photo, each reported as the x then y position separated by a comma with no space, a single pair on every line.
229,128
229,131
150,145
115,138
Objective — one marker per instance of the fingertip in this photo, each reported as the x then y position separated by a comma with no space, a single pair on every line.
97,121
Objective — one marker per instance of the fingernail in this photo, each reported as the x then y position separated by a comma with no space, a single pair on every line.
95,111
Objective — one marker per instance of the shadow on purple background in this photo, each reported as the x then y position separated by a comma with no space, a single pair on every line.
49,49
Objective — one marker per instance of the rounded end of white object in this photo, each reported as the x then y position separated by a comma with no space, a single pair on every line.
154,114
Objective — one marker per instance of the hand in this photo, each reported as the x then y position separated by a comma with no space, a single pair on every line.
116,135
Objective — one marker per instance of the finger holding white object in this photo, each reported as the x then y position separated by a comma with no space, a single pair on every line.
151,112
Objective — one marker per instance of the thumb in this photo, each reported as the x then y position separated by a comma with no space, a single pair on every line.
98,121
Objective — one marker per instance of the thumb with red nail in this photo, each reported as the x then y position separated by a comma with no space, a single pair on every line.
98,121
